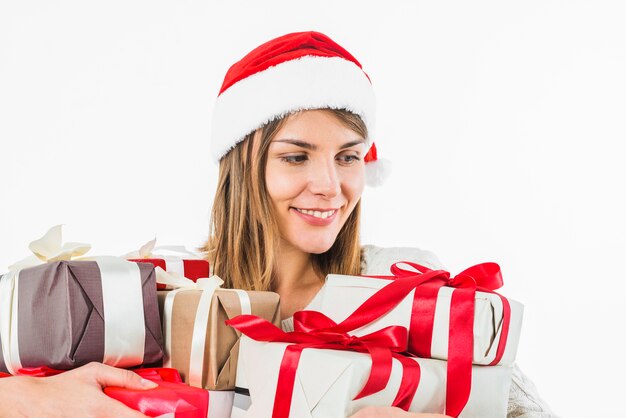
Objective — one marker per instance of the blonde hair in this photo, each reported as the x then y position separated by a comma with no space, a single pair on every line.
244,234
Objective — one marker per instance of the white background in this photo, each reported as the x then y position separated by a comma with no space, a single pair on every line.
504,121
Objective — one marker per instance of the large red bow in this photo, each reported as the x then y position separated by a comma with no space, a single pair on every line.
315,330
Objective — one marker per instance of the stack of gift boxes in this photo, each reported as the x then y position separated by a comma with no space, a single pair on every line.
417,339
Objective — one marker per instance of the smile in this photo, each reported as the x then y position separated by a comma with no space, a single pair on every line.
317,213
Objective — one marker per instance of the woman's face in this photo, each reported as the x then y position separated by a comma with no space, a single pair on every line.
315,176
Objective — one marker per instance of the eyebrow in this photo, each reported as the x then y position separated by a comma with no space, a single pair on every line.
312,147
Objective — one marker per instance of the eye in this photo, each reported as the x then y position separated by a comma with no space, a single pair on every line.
294,159
348,159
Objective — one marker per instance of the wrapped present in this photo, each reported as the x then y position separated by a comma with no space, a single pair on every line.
490,315
326,374
64,313
172,258
425,286
197,341
171,399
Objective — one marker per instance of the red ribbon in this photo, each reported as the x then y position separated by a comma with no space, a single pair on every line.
42,371
485,277
171,396
315,330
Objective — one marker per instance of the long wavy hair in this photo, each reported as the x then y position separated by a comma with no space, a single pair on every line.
244,234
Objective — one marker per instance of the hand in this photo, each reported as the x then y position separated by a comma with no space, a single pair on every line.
76,393
391,412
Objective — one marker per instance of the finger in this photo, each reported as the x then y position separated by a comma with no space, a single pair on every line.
112,376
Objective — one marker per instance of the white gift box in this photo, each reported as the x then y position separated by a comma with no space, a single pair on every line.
220,403
327,381
342,295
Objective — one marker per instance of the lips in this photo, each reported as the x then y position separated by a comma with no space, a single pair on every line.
317,216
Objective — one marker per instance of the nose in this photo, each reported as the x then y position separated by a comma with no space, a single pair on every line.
325,180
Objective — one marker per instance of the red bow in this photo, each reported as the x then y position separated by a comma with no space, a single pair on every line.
484,277
315,330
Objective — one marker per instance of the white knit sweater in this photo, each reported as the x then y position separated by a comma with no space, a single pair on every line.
524,400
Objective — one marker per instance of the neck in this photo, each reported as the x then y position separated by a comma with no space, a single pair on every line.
294,269
297,282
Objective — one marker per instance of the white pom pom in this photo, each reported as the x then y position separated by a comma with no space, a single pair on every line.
376,172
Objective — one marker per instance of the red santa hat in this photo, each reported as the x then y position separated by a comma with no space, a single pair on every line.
297,71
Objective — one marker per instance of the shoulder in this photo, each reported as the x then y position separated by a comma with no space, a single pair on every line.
377,260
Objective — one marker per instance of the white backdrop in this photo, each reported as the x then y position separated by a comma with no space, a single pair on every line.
503,121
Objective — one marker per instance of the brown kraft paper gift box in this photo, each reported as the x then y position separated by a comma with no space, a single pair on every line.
222,342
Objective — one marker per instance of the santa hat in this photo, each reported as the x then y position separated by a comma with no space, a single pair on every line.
297,71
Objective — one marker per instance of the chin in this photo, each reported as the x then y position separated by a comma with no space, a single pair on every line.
319,250
315,246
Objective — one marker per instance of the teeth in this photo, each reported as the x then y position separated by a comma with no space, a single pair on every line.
317,213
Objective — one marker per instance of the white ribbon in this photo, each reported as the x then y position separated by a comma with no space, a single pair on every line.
8,317
198,339
175,266
244,301
124,337
151,250
172,255
124,323
50,248
208,286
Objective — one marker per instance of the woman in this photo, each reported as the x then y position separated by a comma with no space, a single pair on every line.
292,128
292,133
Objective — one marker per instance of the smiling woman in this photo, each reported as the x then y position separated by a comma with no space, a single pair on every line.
292,133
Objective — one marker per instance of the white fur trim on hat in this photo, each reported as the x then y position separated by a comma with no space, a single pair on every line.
310,82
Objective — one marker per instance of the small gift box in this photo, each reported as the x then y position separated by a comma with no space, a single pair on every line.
493,315
197,341
171,258
64,313
327,381
171,399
